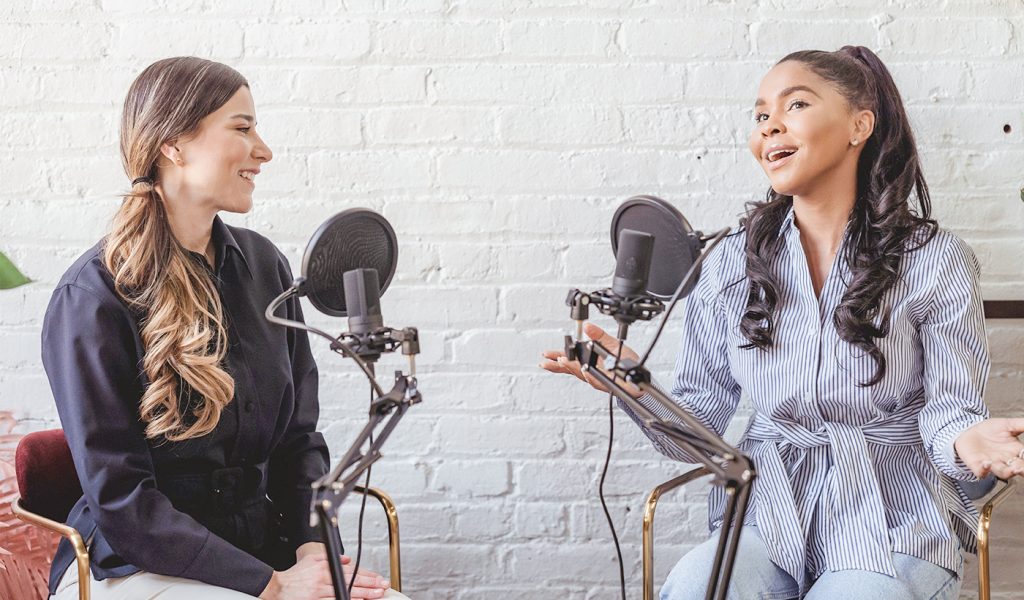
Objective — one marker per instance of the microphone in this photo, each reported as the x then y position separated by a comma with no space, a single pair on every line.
633,263
367,336
362,297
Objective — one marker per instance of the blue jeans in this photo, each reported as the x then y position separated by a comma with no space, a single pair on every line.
756,577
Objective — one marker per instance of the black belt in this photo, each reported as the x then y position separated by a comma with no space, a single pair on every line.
225,490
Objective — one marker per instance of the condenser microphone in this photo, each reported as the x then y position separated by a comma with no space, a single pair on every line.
362,299
632,263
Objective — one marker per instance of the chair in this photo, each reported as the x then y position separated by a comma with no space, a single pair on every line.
975,491
648,533
984,521
49,488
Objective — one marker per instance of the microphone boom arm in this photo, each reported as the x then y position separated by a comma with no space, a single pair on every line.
731,468
330,491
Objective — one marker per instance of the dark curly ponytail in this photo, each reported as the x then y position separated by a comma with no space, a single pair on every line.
883,226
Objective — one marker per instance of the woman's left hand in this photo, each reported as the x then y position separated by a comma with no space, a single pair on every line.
992,447
368,584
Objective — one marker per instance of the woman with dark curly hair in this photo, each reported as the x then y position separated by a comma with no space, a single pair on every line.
855,327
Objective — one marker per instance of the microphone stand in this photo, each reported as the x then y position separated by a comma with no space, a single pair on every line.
330,491
730,468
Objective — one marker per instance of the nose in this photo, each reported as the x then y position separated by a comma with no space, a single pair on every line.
261,151
771,126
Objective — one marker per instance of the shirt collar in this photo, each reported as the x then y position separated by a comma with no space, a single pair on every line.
787,222
223,241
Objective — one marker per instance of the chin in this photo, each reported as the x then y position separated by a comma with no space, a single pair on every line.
786,187
240,206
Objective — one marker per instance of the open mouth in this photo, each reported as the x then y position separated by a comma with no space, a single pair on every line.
778,158
247,175
780,154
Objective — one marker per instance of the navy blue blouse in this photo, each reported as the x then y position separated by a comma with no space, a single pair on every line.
226,508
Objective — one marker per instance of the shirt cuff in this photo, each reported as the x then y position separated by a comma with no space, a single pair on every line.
948,461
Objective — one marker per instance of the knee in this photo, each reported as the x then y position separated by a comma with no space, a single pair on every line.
688,579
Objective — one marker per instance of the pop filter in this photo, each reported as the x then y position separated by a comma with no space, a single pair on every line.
676,245
357,238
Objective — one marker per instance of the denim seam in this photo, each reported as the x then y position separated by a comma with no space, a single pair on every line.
944,588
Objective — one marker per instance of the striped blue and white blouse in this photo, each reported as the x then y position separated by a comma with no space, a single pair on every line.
847,474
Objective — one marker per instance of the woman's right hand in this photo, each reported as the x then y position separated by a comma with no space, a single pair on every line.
556,361
309,579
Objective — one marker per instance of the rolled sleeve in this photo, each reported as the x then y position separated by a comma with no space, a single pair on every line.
956,362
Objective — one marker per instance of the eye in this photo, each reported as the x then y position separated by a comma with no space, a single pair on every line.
244,129
758,117
798,104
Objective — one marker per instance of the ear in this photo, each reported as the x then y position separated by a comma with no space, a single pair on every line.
863,125
170,150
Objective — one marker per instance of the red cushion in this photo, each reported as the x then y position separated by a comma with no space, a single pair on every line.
47,479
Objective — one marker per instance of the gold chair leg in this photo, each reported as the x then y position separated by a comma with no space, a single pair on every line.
648,534
984,521
394,551
81,552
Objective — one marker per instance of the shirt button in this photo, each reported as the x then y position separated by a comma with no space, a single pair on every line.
248,406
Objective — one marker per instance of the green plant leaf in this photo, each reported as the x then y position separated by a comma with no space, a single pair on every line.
10,276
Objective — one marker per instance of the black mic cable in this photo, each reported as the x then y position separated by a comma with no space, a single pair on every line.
604,473
362,511
718,236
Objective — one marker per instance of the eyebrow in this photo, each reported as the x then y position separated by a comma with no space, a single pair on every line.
248,118
788,91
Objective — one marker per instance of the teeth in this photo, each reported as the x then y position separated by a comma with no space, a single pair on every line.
774,154
246,175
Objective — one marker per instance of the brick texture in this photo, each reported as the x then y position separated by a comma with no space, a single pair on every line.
499,136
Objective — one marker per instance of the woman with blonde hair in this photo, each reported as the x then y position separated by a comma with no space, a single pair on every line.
191,420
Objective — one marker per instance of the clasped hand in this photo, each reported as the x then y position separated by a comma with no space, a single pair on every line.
310,578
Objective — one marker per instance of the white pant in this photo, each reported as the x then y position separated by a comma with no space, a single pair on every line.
150,586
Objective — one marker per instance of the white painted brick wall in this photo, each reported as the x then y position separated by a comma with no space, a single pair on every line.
498,136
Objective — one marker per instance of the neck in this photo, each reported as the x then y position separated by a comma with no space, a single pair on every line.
192,225
822,216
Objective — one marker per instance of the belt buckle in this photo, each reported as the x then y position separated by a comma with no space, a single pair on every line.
225,484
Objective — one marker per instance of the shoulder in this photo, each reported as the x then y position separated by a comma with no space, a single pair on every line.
724,265
84,302
88,280
944,252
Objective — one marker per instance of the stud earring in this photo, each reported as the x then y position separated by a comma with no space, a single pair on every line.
854,142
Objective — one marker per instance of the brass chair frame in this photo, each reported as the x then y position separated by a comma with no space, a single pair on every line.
394,551
984,523
82,552
648,533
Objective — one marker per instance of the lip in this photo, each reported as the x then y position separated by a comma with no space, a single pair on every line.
778,164
254,172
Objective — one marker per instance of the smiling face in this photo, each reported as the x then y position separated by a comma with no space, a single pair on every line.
215,167
806,134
